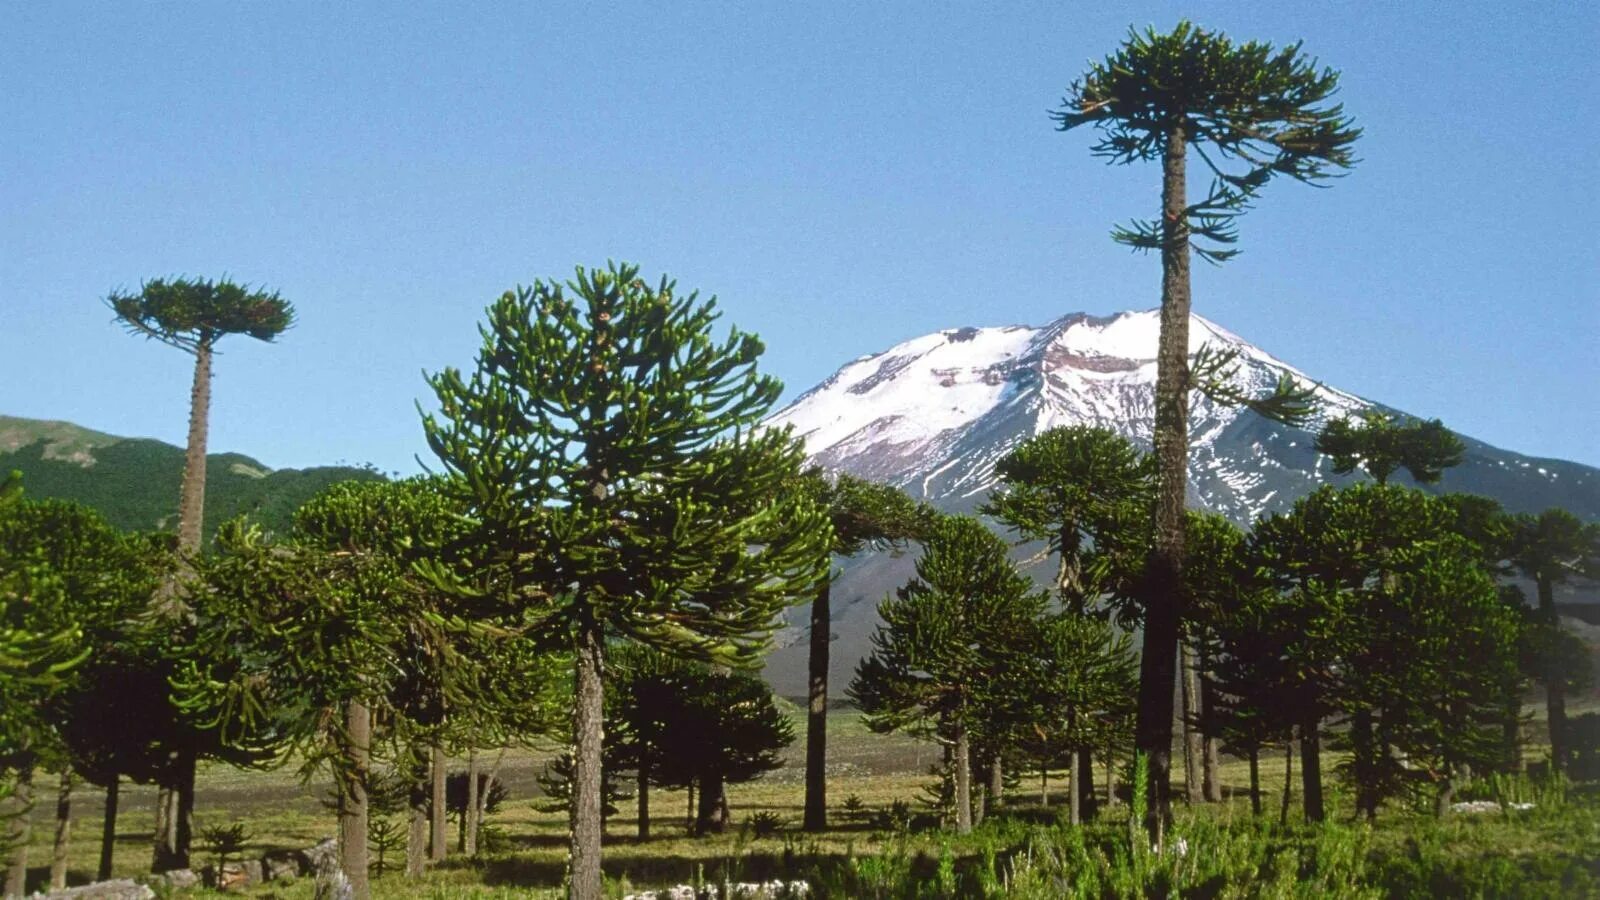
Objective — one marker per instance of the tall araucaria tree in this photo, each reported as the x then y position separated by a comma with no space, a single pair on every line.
608,448
1073,488
193,315
1251,112
1382,443
865,515
1553,548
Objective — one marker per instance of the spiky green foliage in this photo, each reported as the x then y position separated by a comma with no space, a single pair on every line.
1076,693
946,634
1383,443
1081,490
605,446
188,313
1251,111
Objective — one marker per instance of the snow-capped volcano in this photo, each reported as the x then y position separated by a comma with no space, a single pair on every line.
935,413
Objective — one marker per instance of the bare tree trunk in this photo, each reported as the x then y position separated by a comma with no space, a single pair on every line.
484,791
353,799
17,869
1074,791
439,841
997,782
816,811
1193,743
1044,786
469,815
1288,779
1213,746
164,847
58,852
1311,769
417,834
711,817
192,495
644,801
1164,577
1255,780
688,818
1441,800
963,773
1083,786
586,773
182,823
1111,781
108,831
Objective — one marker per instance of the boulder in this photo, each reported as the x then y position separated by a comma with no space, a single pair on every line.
282,865
121,889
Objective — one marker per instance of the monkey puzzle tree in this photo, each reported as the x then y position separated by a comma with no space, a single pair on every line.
1383,443
946,636
1252,113
1553,548
864,515
607,448
1068,486
193,315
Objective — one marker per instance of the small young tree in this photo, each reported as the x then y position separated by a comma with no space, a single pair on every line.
946,636
1075,488
1266,113
607,447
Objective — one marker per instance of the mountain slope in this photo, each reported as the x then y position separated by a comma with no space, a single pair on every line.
936,413
134,482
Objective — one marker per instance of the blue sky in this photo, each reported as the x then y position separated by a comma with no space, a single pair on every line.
842,176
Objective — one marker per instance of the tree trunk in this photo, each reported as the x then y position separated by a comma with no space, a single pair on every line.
1083,786
997,782
1255,780
353,799
183,818
1363,764
469,815
644,800
1554,697
192,495
1111,780
586,773
1075,790
1441,800
1311,769
1163,586
1288,779
1213,745
1193,743
108,830
962,764
1044,786
17,869
438,842
816,810
1511,732
417,834
58,852
711,816
164,843
688,817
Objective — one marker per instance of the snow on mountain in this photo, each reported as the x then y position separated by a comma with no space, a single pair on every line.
936,413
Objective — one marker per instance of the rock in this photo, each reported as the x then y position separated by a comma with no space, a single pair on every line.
239,875
324,857
282,865
177,879
121,889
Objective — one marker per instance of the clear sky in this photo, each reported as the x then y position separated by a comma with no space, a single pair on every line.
842,175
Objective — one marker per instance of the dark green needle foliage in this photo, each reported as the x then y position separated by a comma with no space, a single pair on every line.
1251,112
1382,443
189,313
949,638
1081,490
606,447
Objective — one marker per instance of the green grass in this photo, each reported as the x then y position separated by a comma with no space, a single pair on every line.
1024,852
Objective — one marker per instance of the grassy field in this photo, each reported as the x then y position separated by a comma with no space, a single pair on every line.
527,847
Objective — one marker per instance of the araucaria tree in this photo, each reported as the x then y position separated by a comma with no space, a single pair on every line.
193,315
607,448
865,515
1251,112
949,638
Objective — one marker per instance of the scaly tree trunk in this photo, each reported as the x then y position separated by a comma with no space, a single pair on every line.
438,840
1075,790
586,732
417,834
997,782
1164,577
353,799
22,802
816,812
1311,769
962,764
108,829
469,816
1193,743
58,852
192,495
1255,780
1288,779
